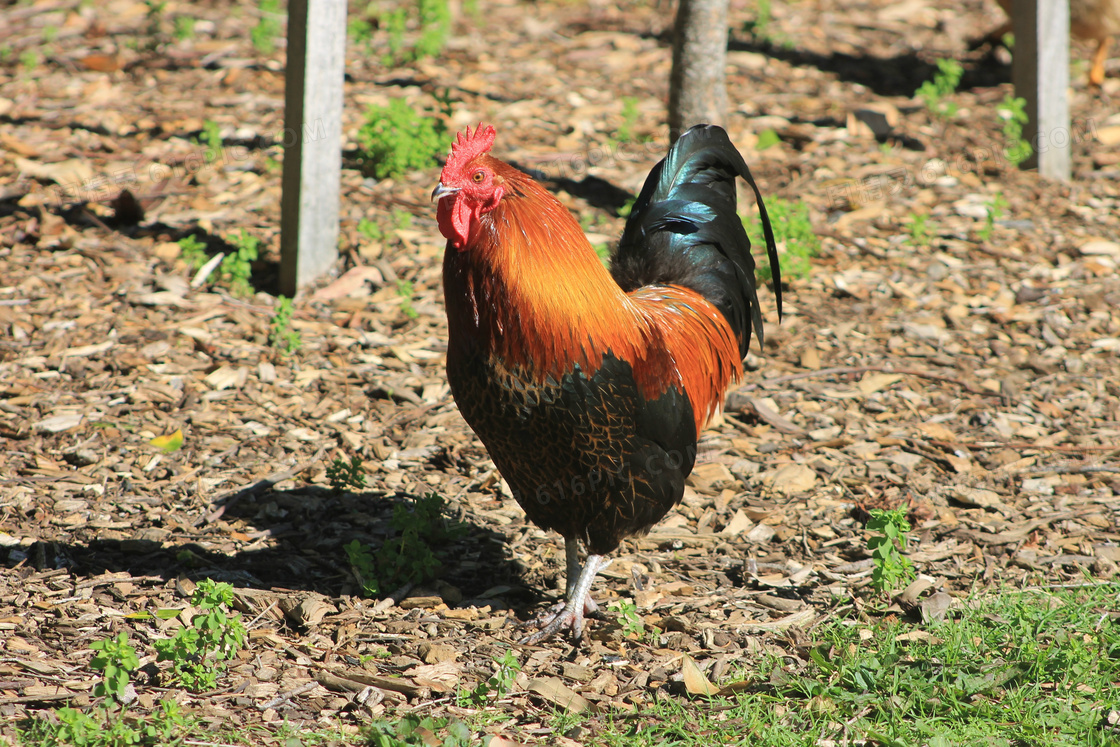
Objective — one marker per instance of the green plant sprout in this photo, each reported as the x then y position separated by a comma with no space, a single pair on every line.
628,617
995,208
405,291
920,233
629,118
886,546
344,475
395,140
500,683
115,660
1014,115
280,333
407,556
237,268
192,252
263,35
198,653
944,83
767,139
793,232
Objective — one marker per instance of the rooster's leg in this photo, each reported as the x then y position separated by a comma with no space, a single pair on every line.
579,598
571,554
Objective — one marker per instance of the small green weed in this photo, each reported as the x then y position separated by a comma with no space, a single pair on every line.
360,31
280,332
237,268
344,475
109,724
198,653
920,232
793,232
886,546
184,27
370,230
396,23
435,26
628,617
625,131
402,219
211,136
29,59
115,660
396,139
192,252
498,684
263,35
413,731
1013,113
996,207
405,291
944,83
760,26
50,33
407,557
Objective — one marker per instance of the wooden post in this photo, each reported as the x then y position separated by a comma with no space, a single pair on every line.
697,83
312,140
1040,72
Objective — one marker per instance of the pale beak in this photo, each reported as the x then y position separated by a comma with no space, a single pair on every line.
442,190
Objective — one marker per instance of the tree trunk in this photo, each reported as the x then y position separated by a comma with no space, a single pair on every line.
697,85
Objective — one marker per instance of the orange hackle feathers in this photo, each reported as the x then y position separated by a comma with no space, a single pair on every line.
530,289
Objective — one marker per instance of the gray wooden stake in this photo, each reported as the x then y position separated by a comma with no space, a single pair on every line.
312,140
697,81
1040,71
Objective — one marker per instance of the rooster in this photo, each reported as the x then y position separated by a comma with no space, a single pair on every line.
588,387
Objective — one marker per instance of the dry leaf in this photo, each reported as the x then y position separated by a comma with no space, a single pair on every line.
71,172
739,523
559,694
169,443
979,497
58,423
792,478
354,283
694,680
875,382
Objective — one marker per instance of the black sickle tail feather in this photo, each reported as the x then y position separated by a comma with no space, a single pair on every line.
683,230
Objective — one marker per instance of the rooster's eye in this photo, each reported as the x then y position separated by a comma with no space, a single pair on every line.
478,176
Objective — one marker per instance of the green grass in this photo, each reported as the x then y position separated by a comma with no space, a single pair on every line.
793,232
1016,668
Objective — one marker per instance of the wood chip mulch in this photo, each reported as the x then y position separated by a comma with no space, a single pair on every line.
975,380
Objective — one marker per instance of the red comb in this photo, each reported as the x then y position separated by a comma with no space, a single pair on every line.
470,145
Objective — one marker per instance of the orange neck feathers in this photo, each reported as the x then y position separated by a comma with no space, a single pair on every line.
527,288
